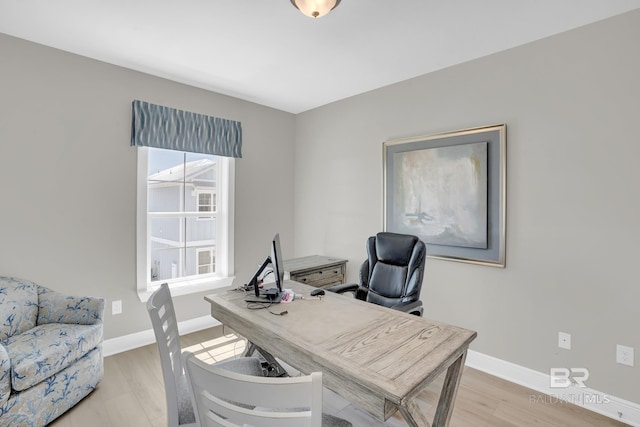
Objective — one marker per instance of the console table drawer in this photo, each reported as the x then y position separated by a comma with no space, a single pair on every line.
333,275
317,270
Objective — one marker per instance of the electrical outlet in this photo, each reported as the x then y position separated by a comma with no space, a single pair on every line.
624,355
564,340
116,307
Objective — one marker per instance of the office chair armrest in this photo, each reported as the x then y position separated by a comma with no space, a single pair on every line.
414,307
346,287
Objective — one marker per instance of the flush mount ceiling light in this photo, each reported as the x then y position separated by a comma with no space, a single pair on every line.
315,8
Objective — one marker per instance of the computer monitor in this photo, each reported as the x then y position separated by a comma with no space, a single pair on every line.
276,262
273,295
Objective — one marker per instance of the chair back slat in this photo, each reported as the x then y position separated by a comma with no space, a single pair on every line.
225,398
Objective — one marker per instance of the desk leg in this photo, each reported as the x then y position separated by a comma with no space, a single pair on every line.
448,393
251,348
413,415
274,368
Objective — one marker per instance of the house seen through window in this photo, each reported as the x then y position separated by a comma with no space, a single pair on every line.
183,219
206,202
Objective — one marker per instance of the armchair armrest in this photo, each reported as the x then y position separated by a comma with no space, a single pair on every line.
5,375
55,307
346,287
414,307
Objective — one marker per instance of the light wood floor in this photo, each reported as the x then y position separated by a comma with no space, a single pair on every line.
132,394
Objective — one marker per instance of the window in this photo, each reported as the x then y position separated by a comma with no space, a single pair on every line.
185,207
206,261
206,202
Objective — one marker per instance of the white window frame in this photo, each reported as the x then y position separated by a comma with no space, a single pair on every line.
224,215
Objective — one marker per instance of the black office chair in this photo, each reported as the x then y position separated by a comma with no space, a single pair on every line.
392,275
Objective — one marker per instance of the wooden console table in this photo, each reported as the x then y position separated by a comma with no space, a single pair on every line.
316,270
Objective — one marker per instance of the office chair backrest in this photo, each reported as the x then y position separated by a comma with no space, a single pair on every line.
230,399
163,318
394,269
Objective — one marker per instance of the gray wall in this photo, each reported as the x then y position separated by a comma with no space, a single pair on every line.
68,176
571,104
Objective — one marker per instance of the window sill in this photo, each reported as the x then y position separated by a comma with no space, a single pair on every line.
189,287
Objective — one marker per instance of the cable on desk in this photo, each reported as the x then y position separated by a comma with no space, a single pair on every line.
260,306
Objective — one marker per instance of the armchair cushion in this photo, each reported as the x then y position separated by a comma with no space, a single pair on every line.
18,306
47,349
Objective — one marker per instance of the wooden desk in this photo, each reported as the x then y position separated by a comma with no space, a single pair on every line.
377,358
316,270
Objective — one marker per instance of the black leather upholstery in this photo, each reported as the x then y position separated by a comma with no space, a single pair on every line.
392,274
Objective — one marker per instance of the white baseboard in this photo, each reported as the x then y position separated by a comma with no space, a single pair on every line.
593,400
129,342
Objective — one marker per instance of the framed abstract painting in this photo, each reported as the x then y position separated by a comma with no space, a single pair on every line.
449,189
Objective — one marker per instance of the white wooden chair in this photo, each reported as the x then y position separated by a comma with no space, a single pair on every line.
179,404
229,399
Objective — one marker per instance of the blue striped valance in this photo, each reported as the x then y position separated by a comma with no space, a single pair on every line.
164,127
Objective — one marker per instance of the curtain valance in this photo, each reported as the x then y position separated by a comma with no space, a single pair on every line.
164,127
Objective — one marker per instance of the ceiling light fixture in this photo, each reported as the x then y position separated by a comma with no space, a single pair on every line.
315,8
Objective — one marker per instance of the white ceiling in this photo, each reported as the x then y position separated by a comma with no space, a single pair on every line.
267,52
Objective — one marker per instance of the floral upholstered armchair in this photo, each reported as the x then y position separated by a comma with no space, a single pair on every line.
50,351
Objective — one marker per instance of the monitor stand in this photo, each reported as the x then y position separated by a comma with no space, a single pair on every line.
269,296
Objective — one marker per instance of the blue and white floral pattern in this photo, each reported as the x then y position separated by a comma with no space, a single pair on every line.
50,352
53,307
43,403
18,306
46,349
5,375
